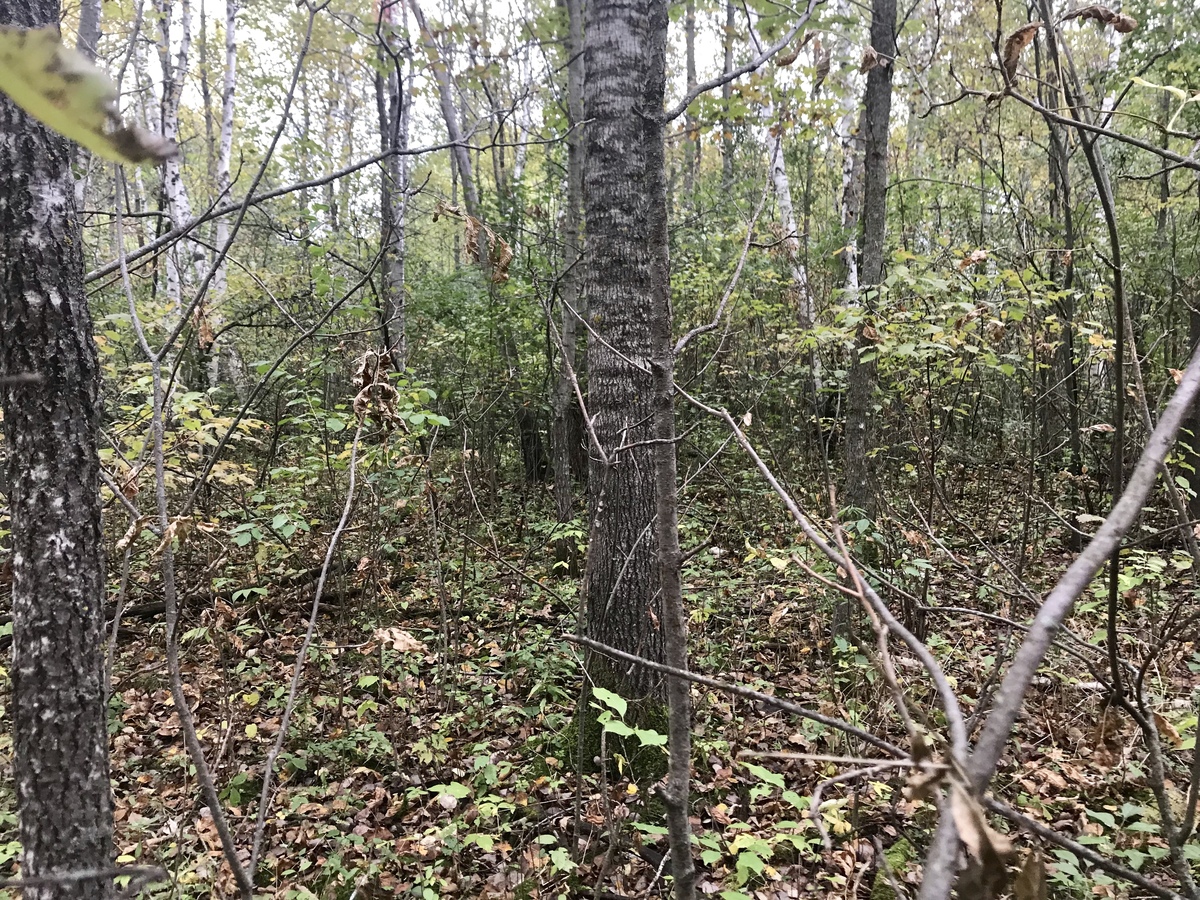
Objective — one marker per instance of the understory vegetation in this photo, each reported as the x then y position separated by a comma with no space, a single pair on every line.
400,357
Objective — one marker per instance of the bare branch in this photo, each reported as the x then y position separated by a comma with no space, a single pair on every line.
681,107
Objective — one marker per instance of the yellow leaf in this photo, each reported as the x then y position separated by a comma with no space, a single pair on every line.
61,88
251,730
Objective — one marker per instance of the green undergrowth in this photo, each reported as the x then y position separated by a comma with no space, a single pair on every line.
432,751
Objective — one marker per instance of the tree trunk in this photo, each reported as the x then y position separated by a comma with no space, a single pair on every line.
727,146
183,254
634,596
624,183
60,739
392,92
564,434
860,491
458,153
691,127
235,366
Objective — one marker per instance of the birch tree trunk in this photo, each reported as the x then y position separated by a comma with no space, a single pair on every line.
181,256
773,143
51,412
236,368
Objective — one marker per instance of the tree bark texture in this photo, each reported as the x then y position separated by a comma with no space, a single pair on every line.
60,739
627,290
876,122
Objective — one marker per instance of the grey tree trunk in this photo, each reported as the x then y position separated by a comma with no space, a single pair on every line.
727,146
634,595
459,154
626,278
691,126
392,91
88,39
60,739
564,434
876,120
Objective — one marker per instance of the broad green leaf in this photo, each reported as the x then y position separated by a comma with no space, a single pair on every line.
650,738
773,778
454,789
61,88
615,726
608,698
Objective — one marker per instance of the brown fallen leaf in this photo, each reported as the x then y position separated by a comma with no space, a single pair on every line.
990,849
1107,740
1167,730
1031,880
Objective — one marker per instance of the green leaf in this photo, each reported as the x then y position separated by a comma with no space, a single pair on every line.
561,860
773,778
650,738
63,89
611,700
616,726
454,789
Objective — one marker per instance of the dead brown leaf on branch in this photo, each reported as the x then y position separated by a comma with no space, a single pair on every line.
499,253
1105,16
1013,47
786,59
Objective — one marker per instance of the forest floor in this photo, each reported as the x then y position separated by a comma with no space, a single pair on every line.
431,752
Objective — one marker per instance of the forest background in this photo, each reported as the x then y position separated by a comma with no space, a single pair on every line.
467,356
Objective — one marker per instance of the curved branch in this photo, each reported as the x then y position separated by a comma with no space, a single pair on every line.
724,78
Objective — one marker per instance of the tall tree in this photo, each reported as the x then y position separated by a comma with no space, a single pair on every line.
49,385
876,123
691,126
392,93
626,286
727,147
634,595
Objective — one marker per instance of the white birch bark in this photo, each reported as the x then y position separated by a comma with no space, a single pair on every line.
183,255
236,368
773,142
